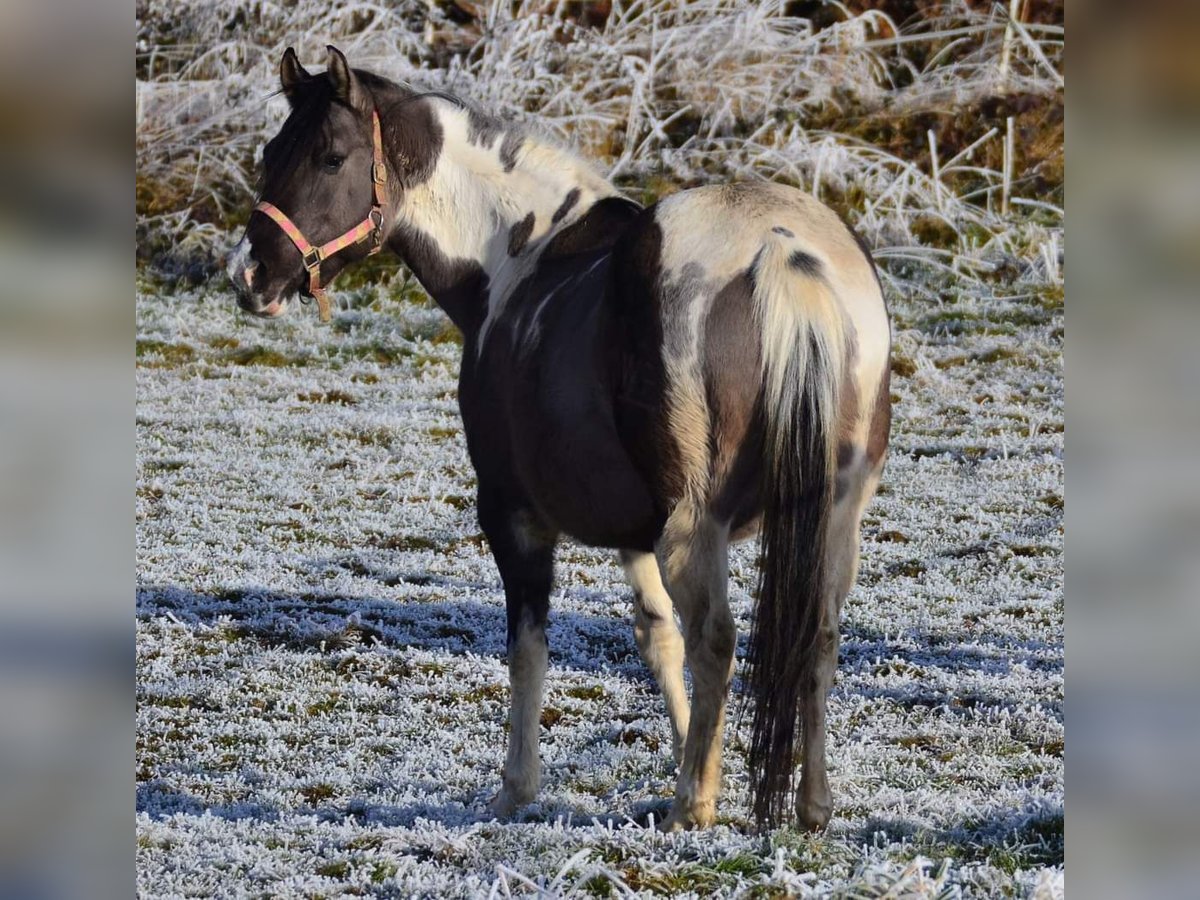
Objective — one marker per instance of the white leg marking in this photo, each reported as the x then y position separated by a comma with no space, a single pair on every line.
694,551
659,640
522,767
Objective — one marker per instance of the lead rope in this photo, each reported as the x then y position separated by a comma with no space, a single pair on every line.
370,228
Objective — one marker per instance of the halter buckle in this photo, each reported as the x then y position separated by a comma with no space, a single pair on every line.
375,238
312,259
379,173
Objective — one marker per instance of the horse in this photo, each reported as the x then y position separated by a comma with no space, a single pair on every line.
658,380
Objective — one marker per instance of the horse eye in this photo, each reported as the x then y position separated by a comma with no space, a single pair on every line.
332,162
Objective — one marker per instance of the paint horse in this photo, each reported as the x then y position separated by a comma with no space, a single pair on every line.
658,380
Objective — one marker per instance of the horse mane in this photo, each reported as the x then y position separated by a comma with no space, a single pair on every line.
312,102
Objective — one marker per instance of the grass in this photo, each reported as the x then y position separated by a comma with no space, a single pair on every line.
321,686
900,125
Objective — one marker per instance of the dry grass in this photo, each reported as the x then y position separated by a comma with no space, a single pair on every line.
902,126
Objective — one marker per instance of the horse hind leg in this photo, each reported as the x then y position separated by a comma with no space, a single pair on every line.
856,485
695,561
658,639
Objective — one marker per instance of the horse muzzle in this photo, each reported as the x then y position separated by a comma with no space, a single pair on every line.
242,270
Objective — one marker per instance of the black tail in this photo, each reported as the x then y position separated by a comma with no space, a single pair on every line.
799,469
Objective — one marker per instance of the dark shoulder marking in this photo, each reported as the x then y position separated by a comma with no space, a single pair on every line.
806,263
568,204
604,222
412,138
519,236
786,232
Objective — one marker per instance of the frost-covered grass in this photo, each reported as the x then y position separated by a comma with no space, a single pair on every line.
321,689
321,686
902,125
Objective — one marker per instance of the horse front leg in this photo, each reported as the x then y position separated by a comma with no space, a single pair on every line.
524,553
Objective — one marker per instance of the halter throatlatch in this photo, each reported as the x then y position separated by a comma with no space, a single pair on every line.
370,228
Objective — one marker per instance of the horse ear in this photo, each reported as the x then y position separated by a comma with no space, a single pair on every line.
291,73
345,85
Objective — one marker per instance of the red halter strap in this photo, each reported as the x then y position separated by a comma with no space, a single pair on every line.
370,228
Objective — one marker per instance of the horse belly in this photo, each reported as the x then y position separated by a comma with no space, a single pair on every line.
582,481
576,471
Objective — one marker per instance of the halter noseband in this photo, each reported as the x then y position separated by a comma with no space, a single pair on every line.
370,228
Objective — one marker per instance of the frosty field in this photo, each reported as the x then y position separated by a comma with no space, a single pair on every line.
321,685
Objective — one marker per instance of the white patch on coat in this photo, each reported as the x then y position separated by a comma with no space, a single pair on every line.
470,203
723,228
687,403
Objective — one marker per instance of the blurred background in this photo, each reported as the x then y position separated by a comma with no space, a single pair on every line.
936,128
1134,425
66,451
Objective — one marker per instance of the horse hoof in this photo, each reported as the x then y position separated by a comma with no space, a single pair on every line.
673,823
505,804
813,816
700,815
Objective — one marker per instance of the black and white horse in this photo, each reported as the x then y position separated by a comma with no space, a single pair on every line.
661,381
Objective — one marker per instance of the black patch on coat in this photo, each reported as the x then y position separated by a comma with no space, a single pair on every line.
482,129
635,340
600,226
567,205
806,263
412,139
786,232
518,237
538,403
513,141
459,286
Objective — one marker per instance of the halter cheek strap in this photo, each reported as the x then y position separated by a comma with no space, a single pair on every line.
370,228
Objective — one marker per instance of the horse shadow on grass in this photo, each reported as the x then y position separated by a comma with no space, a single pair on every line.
1030,836
473,622
328,621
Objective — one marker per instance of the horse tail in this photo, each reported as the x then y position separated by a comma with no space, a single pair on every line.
803,357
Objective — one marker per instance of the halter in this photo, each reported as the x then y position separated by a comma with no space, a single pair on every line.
370,228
